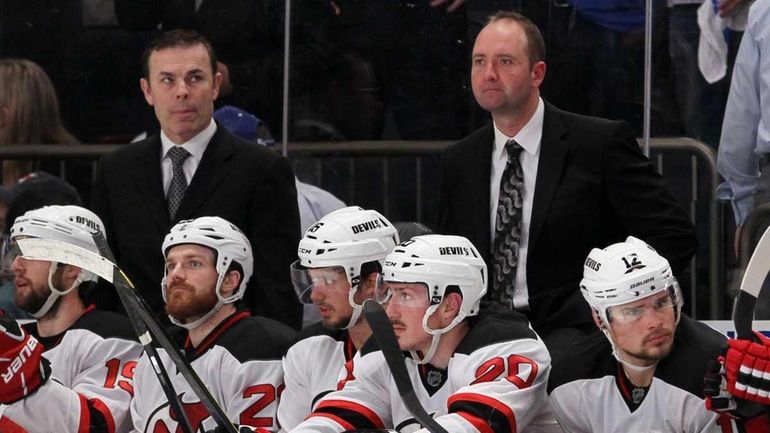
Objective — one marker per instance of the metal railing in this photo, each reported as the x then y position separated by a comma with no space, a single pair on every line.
361,158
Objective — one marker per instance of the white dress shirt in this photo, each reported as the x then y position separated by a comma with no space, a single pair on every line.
529,139
196,146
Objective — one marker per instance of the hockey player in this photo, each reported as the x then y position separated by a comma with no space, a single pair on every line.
208,264
647,374
340,258
474,372
72,370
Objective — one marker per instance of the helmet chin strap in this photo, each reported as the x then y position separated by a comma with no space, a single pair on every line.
435,334
429,354
55,293
357,309
199,321
616,354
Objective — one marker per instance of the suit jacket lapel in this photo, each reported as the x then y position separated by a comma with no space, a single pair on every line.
482,158
149,182
211,171
553,152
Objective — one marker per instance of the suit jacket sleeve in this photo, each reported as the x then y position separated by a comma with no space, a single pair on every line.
274,233
640,198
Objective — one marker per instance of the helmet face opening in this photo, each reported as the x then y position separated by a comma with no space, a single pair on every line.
331,281
229,244
662,303
402,294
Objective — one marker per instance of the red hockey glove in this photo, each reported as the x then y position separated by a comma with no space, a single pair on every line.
747,369
22,366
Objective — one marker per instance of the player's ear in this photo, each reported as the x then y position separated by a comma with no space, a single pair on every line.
598,320
231,282
367,285
70,272
451,305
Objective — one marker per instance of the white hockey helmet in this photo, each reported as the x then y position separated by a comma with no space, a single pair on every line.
443,264
70,226
230,245
347,238
626,272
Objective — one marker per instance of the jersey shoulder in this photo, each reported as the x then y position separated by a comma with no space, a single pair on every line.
493,326
317,329
257,338
589,357
106,324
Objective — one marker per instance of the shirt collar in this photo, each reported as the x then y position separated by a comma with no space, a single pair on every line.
196,145
528,137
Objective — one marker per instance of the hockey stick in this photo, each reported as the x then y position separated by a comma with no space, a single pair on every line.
145,325
753,278
135,304
386,339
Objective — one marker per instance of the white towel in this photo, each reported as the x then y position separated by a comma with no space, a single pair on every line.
712,48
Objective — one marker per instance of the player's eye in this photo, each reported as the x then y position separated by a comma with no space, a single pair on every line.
663,303
193,264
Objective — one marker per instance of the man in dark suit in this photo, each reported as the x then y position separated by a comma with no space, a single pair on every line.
142,189
582,182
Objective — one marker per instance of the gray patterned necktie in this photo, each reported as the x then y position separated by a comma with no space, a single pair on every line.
178,182
508,226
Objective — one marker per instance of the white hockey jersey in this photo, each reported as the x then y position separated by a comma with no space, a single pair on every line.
240,363
495,382
91,383
590,393
310,370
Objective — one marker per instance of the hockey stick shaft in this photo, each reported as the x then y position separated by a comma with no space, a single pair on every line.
148,329
751,285
388,343
152,353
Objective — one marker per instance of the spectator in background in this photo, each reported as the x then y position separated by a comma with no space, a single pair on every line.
745,144
313,202
48,33
194,168
701,102
29,114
